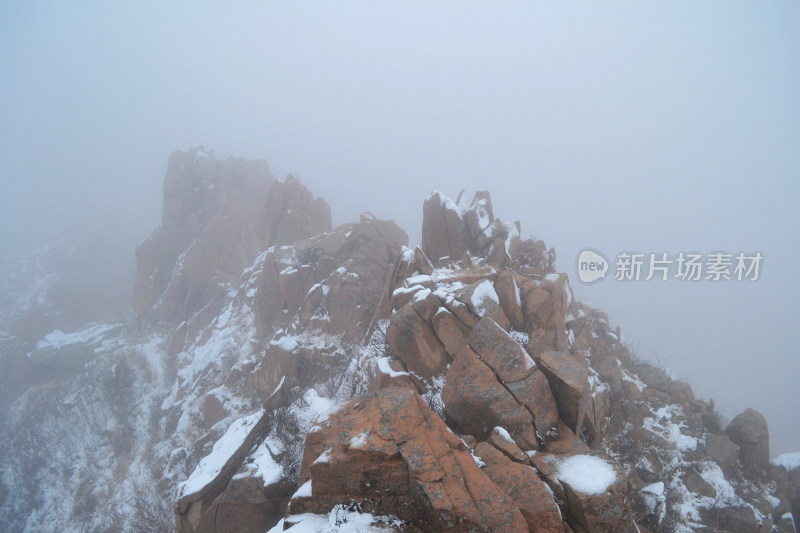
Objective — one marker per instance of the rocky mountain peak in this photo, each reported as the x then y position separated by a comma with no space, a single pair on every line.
284,375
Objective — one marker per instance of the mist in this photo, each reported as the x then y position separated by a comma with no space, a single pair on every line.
649,128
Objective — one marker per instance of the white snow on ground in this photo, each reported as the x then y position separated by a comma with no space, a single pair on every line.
90,335
304,491
484,291
359,441
420,279
633,379
407,254
339,520
587,474
662,424
385,368
596,384
260,464
421,295
407,290
286,342
789,461
324,457
689,504
520,337
315,411
655,500
516,291
211,465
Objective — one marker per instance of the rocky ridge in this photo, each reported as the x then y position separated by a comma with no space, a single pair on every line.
298,377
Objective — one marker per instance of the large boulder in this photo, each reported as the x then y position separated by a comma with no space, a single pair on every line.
416,344
510,300
482,301
199,496
749,430
497,349
596,495
531,495
517,372
450,330
569,382
476,402
392,455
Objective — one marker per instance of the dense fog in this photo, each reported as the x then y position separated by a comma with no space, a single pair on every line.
620,128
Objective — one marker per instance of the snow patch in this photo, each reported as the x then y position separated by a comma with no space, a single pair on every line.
359,442
304,491
261,464
385,368
587,474
483,292
211,465
789,461
503,434
90,335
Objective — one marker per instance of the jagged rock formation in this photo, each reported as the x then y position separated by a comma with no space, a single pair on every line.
283,374
217,217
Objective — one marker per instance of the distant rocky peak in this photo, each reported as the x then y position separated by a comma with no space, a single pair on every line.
217,217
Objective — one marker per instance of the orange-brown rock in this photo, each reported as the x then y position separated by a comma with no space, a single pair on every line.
607,512
564,441
426,304
248,506
424,265
530,494
450,331
535,395
510,300
482,301
569,382
393,455
461,312
402,295
500,439
343,279
489,454
476,402
497,349
416,344
391,374
544,307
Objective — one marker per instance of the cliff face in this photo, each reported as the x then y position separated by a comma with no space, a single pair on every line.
283,374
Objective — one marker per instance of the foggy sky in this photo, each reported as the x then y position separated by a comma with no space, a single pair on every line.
625,127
